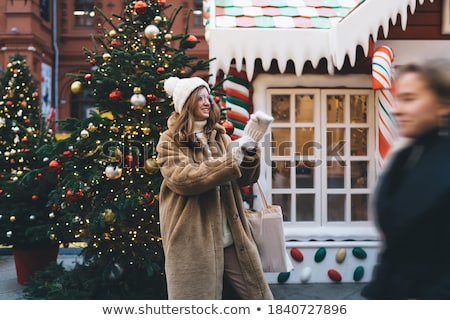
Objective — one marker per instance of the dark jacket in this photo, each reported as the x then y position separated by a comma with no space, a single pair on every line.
412,204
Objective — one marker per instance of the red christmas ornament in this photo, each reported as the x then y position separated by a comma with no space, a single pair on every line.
87,76
67,154
9,103
248,190
228,126
160,70
140,7
24,139
115,95
191,38
54,166
162,2
70,195
35,94
189,42
79,194
55,207
92,62
216,99
115,42
12,161
39,176
151,97
34,197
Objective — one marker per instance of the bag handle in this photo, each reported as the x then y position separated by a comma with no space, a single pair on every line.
263,197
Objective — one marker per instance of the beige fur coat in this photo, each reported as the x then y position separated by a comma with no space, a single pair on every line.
194,193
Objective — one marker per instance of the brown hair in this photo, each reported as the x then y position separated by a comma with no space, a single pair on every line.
184,125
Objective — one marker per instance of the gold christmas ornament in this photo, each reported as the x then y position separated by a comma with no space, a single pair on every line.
136,90
157,19
106,57
91,127
109,216
76,87
151,166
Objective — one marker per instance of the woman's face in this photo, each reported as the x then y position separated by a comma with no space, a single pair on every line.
417,108
203,108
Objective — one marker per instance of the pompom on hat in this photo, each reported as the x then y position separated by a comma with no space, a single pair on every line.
181,89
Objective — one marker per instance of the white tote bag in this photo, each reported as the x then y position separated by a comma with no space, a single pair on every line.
267,228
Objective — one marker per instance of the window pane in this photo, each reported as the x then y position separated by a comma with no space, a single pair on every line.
281,142
281,177
359,174
358,108
283,200
198,13
335,108
336,207
305,207
304,174
304,141
358,141
335,142
280,107
335,174
359,207
304,108
84,13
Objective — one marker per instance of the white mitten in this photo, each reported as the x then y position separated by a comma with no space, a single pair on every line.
257,126
237,154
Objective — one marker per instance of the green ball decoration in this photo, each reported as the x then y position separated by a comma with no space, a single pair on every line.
359,253
358,273
283,277
320,254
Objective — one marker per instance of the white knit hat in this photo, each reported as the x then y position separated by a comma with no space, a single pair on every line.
181,89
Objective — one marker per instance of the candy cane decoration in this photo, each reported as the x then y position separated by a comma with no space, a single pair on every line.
382,83
237,100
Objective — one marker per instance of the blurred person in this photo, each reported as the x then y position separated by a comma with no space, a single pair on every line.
206,237
412,198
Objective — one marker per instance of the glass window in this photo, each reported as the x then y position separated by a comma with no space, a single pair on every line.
198,13
83,13
322,154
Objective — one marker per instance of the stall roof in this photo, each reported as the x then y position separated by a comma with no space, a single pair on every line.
296,30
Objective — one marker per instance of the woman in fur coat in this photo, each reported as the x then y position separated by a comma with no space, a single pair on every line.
205,234
412,200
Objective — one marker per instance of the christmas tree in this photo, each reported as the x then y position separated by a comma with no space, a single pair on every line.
25,182
108,197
